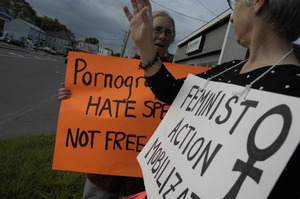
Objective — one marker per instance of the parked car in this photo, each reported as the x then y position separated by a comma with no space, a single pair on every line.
3,39
53,52
17,43
47,49
50,50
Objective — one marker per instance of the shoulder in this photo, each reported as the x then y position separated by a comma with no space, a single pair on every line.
219,68
230,64
283,79
286,73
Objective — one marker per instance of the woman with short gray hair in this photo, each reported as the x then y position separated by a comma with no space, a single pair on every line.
266,28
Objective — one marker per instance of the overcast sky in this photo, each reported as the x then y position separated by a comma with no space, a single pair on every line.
105,20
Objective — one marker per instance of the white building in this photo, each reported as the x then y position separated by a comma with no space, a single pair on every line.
82,46
60,41
21,30
212,44
103,51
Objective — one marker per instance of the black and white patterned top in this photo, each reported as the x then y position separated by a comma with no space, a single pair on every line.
282,79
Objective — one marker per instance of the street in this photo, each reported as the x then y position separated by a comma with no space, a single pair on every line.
29,83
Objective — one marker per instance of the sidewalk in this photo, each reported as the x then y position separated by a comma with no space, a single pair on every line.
17,48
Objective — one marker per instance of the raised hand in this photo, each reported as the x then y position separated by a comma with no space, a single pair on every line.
141,24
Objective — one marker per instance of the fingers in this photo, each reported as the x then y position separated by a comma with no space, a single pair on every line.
145,16
138,6
149,8
135,7
141,4
64,93
147,13
127,13
63,97
146,3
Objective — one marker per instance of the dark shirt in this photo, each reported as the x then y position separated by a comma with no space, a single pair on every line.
167,58
283,79
122,185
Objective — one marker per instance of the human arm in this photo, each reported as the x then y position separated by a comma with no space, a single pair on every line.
164,86
64,93
141,26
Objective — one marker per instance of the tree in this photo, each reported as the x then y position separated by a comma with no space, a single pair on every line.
91,40
22,10
18,9
47,23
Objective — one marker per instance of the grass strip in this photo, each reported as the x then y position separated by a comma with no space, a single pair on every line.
26,170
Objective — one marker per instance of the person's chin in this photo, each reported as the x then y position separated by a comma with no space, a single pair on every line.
160,50
239,41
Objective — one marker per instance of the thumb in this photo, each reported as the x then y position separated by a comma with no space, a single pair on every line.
62,85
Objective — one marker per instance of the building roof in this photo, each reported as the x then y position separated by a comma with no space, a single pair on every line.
29,24
208,25
85,49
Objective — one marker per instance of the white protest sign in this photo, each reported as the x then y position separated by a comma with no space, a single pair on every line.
211,144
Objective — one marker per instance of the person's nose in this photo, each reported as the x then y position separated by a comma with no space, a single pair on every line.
162,35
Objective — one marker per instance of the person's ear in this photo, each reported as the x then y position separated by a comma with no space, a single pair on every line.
258,5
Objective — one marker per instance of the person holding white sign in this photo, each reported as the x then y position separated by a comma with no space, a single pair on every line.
266,28
113,187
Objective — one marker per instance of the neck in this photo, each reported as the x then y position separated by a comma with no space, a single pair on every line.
266,51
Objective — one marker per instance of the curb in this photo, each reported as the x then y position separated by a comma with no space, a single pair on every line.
12,48
21,49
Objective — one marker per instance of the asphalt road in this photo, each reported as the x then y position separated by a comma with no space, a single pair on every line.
29,83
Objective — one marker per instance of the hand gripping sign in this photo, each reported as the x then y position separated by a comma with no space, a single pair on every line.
110,116
212,144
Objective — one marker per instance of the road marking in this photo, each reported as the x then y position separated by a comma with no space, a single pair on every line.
59,73
15,54
10,116
39,58
51,59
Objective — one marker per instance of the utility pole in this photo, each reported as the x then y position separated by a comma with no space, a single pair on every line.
125,42
38,43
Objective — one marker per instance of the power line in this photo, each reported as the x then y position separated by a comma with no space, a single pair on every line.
178,12
206,8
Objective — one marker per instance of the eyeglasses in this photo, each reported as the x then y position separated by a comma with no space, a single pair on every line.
159,30
231,4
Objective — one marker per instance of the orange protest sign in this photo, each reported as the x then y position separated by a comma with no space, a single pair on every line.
140,195
110,116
